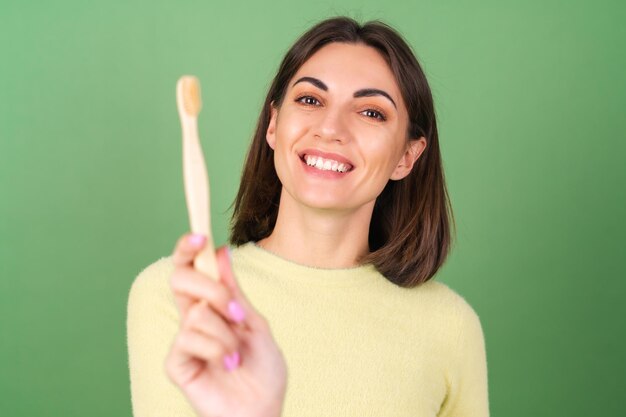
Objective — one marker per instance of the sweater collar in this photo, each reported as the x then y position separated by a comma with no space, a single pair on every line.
253,255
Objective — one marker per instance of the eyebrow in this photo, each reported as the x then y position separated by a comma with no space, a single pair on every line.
364,92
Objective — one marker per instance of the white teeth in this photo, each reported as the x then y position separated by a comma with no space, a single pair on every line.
325,164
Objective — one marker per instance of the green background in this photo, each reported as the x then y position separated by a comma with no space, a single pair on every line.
530,102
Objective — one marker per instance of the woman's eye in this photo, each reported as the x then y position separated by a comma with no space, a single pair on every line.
371,113
374,114
308,100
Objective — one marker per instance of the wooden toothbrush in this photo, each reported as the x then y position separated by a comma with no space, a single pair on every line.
195,173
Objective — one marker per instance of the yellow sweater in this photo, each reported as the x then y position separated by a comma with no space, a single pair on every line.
355,344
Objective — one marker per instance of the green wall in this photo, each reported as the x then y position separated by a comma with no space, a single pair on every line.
530,100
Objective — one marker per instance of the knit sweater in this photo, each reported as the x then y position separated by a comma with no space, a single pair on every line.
355,344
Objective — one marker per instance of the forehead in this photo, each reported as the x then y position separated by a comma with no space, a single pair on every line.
350,66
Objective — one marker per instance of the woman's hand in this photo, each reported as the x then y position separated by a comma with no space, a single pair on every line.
210,338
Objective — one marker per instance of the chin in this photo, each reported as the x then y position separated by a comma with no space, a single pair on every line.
321,201
324,204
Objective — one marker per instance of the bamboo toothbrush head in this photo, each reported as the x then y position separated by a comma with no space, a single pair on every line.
188,89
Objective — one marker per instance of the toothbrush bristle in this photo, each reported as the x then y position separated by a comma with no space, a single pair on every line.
191,95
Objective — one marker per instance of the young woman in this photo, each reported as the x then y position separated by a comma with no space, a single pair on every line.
325,306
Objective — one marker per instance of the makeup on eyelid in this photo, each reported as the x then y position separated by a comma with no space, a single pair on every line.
381,113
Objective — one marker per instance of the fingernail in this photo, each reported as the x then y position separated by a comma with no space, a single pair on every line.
236,312
197,239
231,361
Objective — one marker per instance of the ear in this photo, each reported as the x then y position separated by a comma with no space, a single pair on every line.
270,135
412,152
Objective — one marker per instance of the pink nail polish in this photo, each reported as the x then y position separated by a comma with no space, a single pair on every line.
231,361
236,312
197,239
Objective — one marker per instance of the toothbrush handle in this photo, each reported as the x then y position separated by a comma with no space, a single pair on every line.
198,199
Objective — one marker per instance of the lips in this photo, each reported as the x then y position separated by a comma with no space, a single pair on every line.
327,156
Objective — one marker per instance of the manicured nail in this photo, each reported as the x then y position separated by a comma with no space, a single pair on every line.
236,312
231,361
197,239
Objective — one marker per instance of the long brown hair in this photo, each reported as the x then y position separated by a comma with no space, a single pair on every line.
409,236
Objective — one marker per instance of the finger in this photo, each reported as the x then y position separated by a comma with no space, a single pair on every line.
193,344
190,286
227,277
204,319
187,248
252,318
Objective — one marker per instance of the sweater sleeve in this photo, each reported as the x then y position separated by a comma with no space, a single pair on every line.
467,377
152,323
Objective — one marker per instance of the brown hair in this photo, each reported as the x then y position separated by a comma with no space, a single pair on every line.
409,236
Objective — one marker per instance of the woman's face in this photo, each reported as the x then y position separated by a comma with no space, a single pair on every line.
341,132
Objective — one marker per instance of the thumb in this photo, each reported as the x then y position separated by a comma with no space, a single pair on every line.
227,278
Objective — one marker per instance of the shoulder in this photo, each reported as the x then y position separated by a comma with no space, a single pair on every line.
152,284
461,316
445,306
450,299
454,322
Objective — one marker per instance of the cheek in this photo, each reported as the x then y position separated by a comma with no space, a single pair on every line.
290,129
383,153
292,126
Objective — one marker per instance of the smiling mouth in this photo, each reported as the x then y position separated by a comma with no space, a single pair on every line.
326,164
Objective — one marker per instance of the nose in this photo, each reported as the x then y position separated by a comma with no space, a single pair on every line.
332,126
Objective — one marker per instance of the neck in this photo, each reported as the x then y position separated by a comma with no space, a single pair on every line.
319,237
